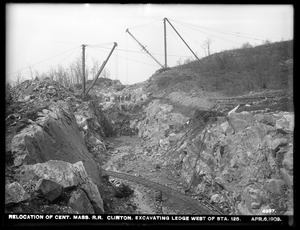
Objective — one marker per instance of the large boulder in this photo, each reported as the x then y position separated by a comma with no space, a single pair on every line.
285,121
14,193
67,175
50,189
240,121
80,202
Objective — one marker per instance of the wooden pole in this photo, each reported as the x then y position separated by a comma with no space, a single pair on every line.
183,40
83,69
144,48
165,42
100,70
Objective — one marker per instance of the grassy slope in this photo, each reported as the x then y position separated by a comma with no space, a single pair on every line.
232,72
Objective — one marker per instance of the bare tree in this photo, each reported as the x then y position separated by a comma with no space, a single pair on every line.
76,67
204,49
188,60
40,75
30,71
95,68
178,62
37,74
246,45
105,73
87,72
19,78
207,45
51,73
61,76
72,74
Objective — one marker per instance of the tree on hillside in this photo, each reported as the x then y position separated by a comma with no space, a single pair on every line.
188,60
178,62
105,73
246,45
207,45
39,75
30,71
76,68
266,42
51,73
95,68
19,78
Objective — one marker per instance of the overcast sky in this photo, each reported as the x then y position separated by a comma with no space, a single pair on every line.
48,35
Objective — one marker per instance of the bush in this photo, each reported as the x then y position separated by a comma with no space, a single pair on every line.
246,45
225,60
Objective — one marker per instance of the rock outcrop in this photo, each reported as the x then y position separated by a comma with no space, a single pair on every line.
54,136
159,122
246,158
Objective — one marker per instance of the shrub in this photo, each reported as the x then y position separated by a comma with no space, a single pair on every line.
246,45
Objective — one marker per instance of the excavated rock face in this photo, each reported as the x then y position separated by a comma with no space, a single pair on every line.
54,136
159,121
95,127
47,151
243,162
119,105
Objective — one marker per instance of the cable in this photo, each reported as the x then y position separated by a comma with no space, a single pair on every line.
179,41
101,44
140,52
215,36
43,60
144,24
78,51
125,57
127,60
117,63
233,33
137,61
